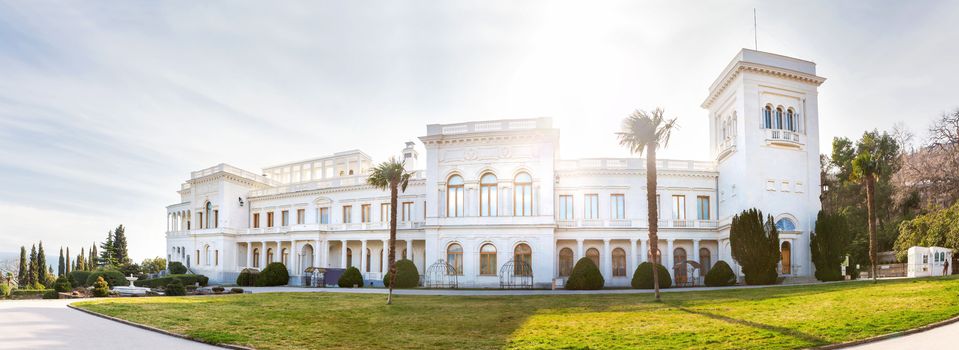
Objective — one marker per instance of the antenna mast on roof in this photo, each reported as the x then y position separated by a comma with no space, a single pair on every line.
755,32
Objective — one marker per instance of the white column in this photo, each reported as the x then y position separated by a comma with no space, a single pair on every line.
343,254
385,256
363,258
607,261
643,250
316,253
278,254
295,259
409,249
262,255
249,254
669,256
579,251
696,256
633,258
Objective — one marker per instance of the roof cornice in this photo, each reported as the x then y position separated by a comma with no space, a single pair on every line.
741,66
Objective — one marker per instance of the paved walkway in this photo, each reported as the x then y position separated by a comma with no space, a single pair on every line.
50,324
493,292
945,337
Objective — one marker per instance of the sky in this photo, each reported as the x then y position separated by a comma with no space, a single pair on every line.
106,107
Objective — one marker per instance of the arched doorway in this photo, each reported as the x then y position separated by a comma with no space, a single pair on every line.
679,265
785,250
705,261
565,262
308,258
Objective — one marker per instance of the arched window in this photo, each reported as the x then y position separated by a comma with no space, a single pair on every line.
369,257
786,258
679,265
488,259
207,254
522,254
208,210
790,121
351,172
565,262
593,254
778,122
785,224
349,257
488,196
523,195
619,262
705,261
256,257
454,257
269,255
285,256
454,196
768,117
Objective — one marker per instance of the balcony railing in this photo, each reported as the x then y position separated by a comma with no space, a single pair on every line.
784,137
355,226
588,223
316,185
632,163
487,126
226,168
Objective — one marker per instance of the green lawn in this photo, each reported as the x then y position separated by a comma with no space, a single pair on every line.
777,317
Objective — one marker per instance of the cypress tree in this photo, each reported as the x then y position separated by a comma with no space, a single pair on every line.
60,267
120,253
32,269
41,264
93,261
755,246
81,261
107,254
66,261
23,277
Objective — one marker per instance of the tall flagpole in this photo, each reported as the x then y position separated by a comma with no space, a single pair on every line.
755,31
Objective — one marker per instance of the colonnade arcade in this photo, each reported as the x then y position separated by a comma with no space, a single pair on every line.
618,258
369,256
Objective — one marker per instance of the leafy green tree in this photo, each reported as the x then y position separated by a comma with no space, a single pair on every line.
873,154
23,272
32,269
391,175
755,246
154,265
41,264
120,253
829,244
938,228
645,132
108,255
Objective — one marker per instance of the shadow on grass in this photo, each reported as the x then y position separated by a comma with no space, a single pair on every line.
811,339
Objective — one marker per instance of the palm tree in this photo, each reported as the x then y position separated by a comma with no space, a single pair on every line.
872,152
645,132
393,176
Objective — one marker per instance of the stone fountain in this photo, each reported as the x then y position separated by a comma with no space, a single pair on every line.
131,289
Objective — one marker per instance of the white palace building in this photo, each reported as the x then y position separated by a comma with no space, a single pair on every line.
490,192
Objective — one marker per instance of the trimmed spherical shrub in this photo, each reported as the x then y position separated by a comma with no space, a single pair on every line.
176,268
720,275
51,294
165,280
113,277
247,277
62,284
585,276
643,276
175,288
236,290
406,275
274,274
79,278
351,277
100,287
5,290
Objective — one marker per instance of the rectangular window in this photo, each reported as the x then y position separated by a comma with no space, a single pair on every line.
300,216
285,215
347,214
679,207
702,207
216,258
216,218
592,206
197,256
200,216
269,219
365,213
324,216
566,207
256,220
407,213
617,203
385,212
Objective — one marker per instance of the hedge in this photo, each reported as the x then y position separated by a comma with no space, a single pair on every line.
26,294
274,274
406,275
720,275
174,288
165,280
236,290
351,277
63,284
176,268
113,277
247,277
51,294
79,278
643,276
585,276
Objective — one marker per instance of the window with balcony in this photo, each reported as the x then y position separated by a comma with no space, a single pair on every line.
565,207
285,218
679,207
365,213
384,212
454,196
300,216
269,219
454,257
768,117
591,203
488,260
324,216
407,212
702,207
523,195
256,220
488,196
778,120
347,214
617,203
